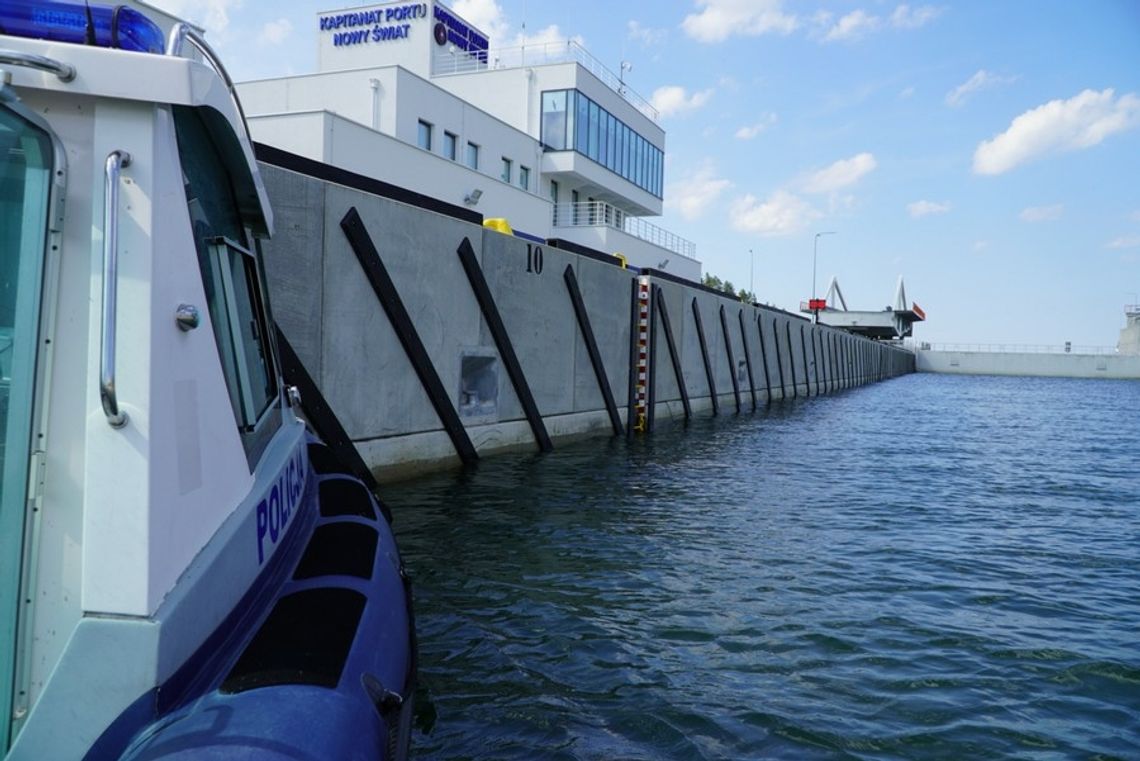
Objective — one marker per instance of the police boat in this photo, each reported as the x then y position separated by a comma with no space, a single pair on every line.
186,571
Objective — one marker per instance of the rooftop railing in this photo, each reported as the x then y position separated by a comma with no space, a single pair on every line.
1019,348
539,54
599,213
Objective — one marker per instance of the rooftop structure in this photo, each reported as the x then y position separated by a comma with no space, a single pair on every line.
1129,341
544,136
894,321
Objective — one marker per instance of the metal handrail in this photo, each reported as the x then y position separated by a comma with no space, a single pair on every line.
602,214
179,34
980,348
65,71
116,160
540,54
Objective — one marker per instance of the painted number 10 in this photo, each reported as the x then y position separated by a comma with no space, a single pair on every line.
534,259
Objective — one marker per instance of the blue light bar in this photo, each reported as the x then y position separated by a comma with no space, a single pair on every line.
100,25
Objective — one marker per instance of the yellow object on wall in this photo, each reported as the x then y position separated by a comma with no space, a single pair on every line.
498,224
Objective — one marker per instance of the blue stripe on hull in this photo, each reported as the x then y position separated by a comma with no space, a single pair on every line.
253,687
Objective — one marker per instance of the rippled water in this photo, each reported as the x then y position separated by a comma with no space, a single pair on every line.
933,567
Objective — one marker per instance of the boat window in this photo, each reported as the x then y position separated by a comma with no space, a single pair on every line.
235,312
233,285
26,157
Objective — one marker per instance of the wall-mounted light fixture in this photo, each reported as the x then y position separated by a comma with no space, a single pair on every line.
473,197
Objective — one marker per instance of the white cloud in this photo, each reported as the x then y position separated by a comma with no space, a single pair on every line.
1135,216
488,17
840,174
906,18
645,35
1042,213
1059,125
925,208
692,195
1125,241
674,99
822,18
751,131
906,92
275,32
981,80
782,213
981,245
859,23
720,19
852,26
728,83
212,15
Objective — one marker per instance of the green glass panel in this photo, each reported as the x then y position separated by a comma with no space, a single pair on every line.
25,177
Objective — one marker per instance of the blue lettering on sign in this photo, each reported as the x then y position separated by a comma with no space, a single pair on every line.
372,18
278,505
460,35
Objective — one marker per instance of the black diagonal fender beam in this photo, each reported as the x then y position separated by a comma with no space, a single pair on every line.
592,348
319,414
705,356
674,356
651,385
791,359
747,357
503,343
731,358
807,375
779,360
389,297
764,359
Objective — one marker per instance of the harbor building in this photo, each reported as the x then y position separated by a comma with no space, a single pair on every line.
542,136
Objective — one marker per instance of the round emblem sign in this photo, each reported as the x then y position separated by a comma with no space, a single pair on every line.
440,33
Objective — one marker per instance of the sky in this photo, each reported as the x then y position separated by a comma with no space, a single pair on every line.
987,152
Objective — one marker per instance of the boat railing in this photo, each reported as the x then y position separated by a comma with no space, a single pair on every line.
602,214
116,160
65,71
180,34
449,62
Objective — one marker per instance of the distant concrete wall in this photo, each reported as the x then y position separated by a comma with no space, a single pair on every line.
1010,363
801,359
326,307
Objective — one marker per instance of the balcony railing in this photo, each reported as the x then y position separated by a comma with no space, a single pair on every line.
601,214
540,54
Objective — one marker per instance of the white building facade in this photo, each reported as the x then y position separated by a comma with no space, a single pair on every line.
542,136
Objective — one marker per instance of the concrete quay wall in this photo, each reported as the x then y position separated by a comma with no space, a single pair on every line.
324,297
1117,366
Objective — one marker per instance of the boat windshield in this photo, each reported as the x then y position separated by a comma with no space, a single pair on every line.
26,156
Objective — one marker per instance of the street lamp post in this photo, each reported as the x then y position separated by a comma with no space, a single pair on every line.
814,259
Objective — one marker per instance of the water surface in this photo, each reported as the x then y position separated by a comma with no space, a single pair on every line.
932,567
